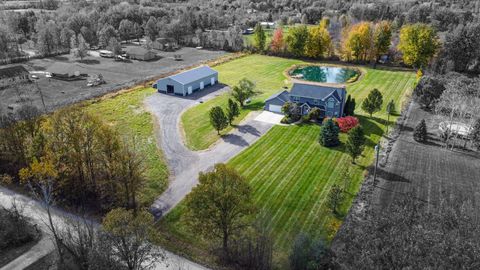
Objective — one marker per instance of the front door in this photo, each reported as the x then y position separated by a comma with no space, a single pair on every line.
212,81
202,85
170,89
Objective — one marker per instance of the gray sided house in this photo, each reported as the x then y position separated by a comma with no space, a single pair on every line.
187,82
140,53
12,75
330,100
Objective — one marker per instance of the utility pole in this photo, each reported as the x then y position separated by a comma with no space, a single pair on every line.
41,96
377,150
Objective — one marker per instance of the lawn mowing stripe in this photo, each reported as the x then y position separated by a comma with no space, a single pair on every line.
279,159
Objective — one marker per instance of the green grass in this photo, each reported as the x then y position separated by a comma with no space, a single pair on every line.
265,71
125,112
290,173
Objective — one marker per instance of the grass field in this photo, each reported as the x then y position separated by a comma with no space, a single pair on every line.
290,173
126,114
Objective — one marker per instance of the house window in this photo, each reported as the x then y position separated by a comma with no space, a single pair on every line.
316,102
295,99
331,104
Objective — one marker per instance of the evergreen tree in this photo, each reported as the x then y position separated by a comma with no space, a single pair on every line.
390,110
373,102
81,51
355,142
232,110
475,134
420,132
329,134
259,37
218,119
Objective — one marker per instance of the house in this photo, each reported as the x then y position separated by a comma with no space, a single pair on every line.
187,82
164,44
330,100
140,53
14,74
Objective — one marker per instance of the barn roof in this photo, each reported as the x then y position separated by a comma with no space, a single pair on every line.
137,51
10,72
317,91
193,74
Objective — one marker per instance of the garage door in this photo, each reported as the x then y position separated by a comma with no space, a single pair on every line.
275,108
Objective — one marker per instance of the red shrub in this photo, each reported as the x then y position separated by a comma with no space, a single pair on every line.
346,123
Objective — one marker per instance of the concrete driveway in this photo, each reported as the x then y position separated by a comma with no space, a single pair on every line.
185,164
270,117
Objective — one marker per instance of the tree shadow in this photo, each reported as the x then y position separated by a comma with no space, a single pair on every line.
249,129
89,61
60,58
234,139
391,177
202,93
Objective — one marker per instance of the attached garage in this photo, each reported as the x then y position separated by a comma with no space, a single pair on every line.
188,82
275,102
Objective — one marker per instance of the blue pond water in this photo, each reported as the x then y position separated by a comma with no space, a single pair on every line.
324,74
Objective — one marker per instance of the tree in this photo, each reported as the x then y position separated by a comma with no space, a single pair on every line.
349,106
418,44
390,110
243,91
137,31
232,110
278,44
357,42
382,38
318,43
81,51
296,40
114,46
308,253
125,30
151,29
314,114
105,34
329,134
221,205
259,38
355,142
373,102
218,119
291,111
335,198
475,134
130,234
461,47
420,132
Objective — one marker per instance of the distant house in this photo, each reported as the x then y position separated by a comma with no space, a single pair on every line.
14,74
187,82
140,53
164,44
330,100
268,25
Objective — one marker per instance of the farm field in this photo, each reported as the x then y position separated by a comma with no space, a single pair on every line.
126,114
290,173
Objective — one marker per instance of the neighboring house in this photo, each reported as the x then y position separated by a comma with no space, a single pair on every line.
164,44
12,75
330,100
140,53
187,82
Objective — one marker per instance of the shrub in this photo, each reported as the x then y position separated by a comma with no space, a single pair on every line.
346,123
314,114
285,120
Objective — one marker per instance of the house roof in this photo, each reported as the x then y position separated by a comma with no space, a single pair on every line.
137,51
283,96
317,91
14,71
193,74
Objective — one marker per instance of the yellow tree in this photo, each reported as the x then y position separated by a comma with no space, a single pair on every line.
357,42
418,44
318,42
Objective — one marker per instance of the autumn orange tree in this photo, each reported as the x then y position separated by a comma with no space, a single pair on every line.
278,44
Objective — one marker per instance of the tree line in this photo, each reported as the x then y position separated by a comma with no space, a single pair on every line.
90,165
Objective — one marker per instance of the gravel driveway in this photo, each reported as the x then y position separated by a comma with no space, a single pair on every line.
184,163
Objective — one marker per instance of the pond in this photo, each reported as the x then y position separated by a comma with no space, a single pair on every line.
324,74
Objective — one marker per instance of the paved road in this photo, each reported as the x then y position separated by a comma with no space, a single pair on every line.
184,163
38,215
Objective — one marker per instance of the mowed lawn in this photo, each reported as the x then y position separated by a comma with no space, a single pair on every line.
290,173
125,112
265,71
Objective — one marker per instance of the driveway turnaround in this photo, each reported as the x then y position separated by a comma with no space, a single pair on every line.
185,164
